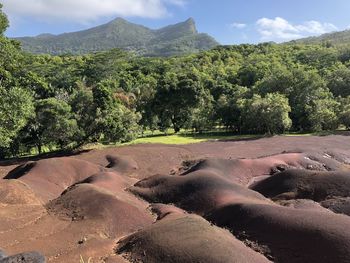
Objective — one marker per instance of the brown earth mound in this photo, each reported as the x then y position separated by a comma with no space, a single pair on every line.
284,234
162,210
339,205
257,166
198,192
185,239
90,189
15,192
304,184
49,178
240,169
89,202
303,204
292,235
111,181
89,208
125,165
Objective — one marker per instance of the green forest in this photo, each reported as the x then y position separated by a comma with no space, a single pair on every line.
67,101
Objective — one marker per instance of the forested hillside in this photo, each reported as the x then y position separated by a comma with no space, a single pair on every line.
66,101
334,38
178,39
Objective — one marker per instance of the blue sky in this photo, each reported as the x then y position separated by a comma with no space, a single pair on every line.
229,21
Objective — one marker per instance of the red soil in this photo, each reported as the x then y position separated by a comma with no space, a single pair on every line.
181,238
292,235
90,204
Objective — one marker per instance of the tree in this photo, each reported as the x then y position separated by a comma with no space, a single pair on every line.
119,124
108,96
84,111
10,55
339,80
38,85
53,124
280,80
16,107
175,100
105,65
202,116
103,96
113,121
344,115
228,109
317,56
309,92
322,114
256,67
145,90
4,23
302,87
266,115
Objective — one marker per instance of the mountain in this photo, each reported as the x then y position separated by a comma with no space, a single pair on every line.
178,39
334,38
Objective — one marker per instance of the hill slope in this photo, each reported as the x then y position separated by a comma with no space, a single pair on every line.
181,38
335,38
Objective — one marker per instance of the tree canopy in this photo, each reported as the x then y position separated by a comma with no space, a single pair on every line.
66,101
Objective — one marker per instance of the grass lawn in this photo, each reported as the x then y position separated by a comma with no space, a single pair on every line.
187,138
167,139
183,138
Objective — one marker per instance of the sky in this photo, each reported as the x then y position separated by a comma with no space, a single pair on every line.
228,21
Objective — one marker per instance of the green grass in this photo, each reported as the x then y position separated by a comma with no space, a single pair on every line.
83,261
321,133
296,134
167,139
184,138
188,138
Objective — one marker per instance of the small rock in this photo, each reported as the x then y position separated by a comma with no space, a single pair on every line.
82,241
2,254
30,257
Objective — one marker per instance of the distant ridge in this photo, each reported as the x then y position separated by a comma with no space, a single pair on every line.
178,39
334,38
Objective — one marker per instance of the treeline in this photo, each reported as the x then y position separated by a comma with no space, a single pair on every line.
67,101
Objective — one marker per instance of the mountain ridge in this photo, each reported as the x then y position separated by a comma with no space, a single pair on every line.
177,39
334,38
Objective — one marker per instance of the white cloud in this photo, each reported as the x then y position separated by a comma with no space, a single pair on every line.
177,2
83,11
279,29
238,25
